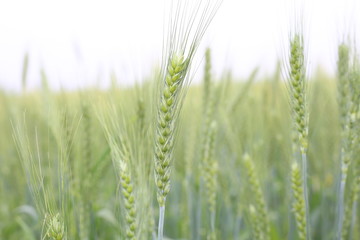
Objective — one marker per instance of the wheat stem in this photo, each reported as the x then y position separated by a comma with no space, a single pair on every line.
161,222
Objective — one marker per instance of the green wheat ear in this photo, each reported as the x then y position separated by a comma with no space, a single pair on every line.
299,203
343,82
210,171
118,140
255,222
187,24
42,185
298,102
350,154
348,104
168,109
297,82
262,223
55,227
165,127
130,208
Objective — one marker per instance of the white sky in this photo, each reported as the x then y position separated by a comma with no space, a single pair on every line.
80,42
